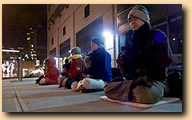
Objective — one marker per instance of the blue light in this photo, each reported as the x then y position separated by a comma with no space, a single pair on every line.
159,36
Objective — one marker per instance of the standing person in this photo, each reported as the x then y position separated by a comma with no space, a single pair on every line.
98,67
51,73
142,63
74,69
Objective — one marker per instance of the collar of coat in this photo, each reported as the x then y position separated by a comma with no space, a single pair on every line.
99,50
76,56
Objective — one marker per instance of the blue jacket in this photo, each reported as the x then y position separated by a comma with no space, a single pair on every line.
100,65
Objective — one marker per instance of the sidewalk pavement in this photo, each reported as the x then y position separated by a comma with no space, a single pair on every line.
26,96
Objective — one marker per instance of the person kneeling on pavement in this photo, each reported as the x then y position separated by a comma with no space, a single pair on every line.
98,70
51,73
143,61
74,69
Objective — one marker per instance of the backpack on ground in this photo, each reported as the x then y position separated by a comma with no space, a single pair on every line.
174,78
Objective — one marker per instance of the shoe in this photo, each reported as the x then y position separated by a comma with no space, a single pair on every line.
37,82
60,82
74,86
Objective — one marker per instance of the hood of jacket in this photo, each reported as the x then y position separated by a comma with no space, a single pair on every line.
51,61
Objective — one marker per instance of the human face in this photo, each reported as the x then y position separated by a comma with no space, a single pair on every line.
135,23
94,46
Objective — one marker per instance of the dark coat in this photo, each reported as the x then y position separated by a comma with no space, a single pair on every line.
100,65
147,53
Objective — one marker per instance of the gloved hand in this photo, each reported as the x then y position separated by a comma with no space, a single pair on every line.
141,81
141,72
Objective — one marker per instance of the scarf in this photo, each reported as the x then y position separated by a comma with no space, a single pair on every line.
76,56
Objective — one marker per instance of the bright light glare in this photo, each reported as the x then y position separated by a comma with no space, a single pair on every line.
108,40
107,34
4,50
56,61
38,71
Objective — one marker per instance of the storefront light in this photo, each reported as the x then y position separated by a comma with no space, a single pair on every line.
56,61
5,50
108,40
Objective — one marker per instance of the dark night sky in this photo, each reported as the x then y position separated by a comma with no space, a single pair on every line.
16,18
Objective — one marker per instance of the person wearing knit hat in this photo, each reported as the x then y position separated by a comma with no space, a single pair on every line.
97,41
138,16
74,69
98,68
76,50
142,62
139,12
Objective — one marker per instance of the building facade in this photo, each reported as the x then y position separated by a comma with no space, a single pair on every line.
70,25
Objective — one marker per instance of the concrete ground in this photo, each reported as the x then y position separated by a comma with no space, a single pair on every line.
26,96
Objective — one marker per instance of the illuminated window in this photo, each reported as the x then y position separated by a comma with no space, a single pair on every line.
28,38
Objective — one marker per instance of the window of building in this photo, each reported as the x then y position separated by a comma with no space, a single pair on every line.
49,6
64,48
67,5
52,20
83,37
57,11
62,6
122,18
87,11
52,53
64,31
52,41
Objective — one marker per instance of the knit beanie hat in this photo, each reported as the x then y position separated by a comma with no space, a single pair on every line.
76,50
140,12
98,41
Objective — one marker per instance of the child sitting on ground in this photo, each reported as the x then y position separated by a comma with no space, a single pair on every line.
74,69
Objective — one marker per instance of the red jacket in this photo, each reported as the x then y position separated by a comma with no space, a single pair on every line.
52,73
76,69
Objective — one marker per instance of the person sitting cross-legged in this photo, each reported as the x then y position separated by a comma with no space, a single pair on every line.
74,69
98,65
51,73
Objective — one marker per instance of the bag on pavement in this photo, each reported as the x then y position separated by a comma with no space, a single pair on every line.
174,78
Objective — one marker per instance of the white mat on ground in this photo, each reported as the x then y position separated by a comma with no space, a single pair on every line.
139,105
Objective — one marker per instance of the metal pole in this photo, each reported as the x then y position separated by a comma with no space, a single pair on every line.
115,33
20,68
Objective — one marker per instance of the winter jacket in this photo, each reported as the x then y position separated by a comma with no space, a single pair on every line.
100,65
77,67
143,61
52,73
147,53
